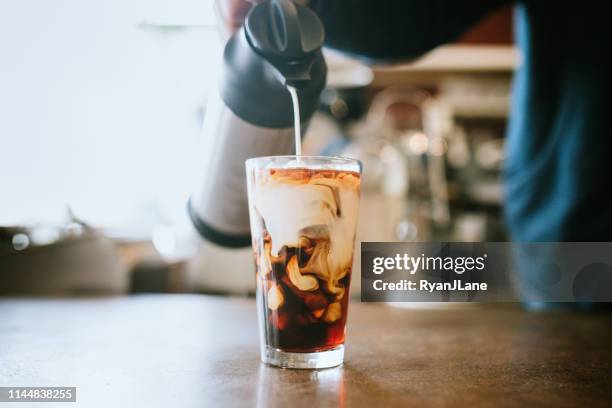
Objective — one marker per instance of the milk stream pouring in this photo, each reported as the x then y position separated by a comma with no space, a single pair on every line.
297,123
277,49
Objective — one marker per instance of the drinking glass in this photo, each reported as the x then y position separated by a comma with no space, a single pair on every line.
303,213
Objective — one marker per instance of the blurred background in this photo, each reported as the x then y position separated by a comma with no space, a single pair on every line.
102,106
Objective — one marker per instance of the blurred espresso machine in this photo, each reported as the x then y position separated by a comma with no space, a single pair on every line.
251,113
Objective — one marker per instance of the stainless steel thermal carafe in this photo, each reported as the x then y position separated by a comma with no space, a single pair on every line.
251,115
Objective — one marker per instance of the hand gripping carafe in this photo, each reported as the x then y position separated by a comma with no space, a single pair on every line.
251,115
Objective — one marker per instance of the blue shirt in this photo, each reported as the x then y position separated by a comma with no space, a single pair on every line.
558,163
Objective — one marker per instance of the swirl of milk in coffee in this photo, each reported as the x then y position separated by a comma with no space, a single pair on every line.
312,208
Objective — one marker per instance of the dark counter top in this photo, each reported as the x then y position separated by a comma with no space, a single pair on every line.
198,351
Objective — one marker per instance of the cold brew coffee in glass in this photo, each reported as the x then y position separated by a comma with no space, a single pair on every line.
303,214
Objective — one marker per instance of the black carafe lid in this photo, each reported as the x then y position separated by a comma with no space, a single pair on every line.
287,35
279,45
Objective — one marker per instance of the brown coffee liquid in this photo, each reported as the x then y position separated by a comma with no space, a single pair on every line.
304,312
298,324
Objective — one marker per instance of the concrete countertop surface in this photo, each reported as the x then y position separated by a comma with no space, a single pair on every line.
199,351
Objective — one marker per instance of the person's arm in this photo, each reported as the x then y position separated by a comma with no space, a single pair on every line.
397,29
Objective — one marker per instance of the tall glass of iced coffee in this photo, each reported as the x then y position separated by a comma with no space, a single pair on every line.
303,213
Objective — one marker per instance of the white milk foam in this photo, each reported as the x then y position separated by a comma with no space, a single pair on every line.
323,209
